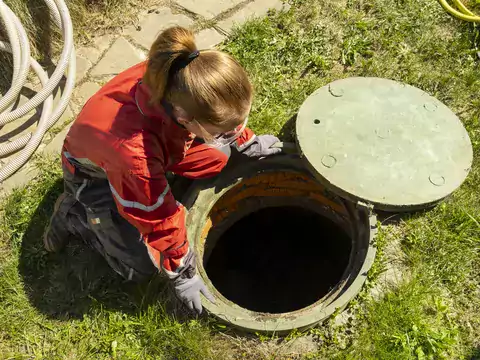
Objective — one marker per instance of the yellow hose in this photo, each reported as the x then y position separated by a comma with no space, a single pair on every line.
462,13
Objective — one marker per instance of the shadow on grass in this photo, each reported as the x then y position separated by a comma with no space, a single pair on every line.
394,218
287,133
68,284
476,354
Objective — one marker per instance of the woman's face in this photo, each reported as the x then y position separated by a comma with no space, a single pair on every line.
206,131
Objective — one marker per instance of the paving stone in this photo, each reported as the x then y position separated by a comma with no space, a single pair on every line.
55,146
104,80
85,92
93,51
258,8
208,8
98,46
208,38
83,65
21,178
118,58
90,53
154,23
102,43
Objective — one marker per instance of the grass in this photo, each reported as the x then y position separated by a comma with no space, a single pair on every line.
73,307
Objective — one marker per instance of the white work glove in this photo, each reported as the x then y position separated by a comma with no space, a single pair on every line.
261,146
188,286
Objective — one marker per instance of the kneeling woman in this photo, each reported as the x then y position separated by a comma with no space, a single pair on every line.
181,111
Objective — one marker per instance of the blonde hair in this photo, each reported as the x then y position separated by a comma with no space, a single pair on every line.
211,87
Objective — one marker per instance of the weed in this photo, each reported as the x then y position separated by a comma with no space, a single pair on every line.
357,42
411,322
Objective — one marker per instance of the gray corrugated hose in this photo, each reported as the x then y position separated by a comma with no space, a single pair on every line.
19,47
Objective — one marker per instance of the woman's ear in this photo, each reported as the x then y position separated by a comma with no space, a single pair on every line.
181,115
182,121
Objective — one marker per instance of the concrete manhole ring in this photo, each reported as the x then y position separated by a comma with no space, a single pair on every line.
266,193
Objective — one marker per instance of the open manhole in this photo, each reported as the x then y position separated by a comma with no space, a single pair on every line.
278,250
284,242
279,259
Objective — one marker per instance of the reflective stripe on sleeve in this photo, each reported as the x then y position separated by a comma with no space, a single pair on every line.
137,205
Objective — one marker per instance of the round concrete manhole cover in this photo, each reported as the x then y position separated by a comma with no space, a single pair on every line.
384,143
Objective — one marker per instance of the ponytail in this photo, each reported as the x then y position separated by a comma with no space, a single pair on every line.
172,46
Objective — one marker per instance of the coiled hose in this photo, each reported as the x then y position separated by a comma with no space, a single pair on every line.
18,46
462,13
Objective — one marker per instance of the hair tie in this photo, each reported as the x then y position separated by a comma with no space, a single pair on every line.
183,60
193,55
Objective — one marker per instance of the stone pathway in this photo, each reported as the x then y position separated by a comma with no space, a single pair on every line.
211,20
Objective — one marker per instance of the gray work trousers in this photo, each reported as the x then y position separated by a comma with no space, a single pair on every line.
89,211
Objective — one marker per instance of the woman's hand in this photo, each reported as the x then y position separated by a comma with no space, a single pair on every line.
188,286
188,291
262,146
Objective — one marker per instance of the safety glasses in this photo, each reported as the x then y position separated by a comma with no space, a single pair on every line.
222,139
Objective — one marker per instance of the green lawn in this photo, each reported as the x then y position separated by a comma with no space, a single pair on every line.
72,306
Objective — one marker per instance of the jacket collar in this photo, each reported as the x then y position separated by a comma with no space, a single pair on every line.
142,99
163,123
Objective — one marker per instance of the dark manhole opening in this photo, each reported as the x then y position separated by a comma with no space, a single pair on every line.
279,259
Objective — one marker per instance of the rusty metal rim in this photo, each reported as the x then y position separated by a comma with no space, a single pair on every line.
268,203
